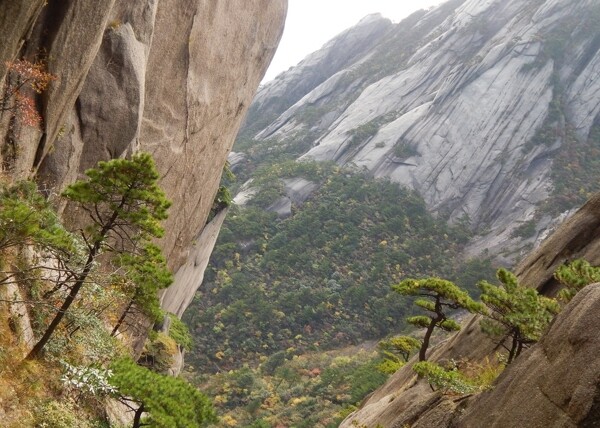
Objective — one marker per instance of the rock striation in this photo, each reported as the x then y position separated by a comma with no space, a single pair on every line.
170,77
454,103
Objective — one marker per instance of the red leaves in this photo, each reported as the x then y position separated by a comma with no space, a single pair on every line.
25,77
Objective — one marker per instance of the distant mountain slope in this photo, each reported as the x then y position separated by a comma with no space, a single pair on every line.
486,108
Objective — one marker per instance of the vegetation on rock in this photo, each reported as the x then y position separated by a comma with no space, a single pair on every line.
158,400
320,278
574,276
440,296
515,311
125,207
75,284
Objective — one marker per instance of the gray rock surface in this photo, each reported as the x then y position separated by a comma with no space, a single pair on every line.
556,384
338,54
453,109
188,278
171,77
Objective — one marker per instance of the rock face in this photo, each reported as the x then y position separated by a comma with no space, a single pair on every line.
454,103
553,384
557,383
188,279
170,77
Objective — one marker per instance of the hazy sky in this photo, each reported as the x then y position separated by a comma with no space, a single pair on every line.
311,23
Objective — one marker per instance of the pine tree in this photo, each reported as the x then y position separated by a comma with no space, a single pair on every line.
440,296
125,206
27,218
515,311
145,274
399,348
396,352
169,402
575,276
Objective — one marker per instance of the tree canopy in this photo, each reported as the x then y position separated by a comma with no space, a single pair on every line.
439,297
168,402
515,311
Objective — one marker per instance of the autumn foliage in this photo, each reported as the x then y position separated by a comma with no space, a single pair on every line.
24,80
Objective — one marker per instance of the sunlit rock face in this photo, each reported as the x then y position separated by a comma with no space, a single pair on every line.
448,102
171,77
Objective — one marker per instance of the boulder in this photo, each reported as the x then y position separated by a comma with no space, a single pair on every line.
554,384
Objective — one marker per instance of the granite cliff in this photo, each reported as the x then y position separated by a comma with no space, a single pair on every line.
170,77
472,104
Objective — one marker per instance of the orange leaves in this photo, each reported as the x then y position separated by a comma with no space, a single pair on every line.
31,74
25,77
24,108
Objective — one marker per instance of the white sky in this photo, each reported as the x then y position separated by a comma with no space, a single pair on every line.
311,23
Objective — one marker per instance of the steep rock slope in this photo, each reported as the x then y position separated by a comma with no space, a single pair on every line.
553,384
171,77
468,104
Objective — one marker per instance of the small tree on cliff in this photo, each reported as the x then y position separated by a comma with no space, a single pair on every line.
574,276
396,352
515,311
24,77
146,273
438,296
167,401
125,206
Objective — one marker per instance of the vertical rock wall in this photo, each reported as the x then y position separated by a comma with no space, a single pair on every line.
171,77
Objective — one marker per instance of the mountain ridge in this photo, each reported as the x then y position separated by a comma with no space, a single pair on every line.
444,113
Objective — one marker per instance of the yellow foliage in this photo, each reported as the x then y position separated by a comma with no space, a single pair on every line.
298,400
229,421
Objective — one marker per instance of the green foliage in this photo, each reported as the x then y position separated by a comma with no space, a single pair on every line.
574,276
125,205
180,333
169,402
318,279
441,296
310,390
515,311
405,150
396,352
273,362
159,352
223,199
460,377
449,381
27,218
59,414
145,272
525,230
363,133
124,190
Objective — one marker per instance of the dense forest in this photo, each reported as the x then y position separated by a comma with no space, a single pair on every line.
287,297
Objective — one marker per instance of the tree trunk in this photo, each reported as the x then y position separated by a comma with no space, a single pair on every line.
137,419
512,354
123,316
426,339
39,346
93,253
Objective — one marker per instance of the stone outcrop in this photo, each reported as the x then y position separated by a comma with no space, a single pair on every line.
170,77
552,384
188,278
338,54
556,383
448,102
